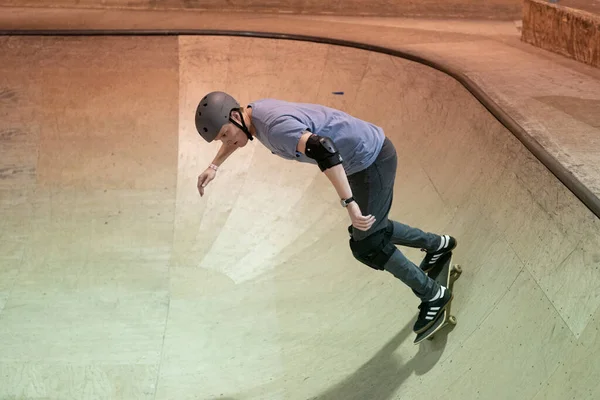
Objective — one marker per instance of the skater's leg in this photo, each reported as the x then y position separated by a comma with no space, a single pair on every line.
402,268
378,252
373,189
405,235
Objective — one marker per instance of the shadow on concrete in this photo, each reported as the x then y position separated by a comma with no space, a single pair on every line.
381,376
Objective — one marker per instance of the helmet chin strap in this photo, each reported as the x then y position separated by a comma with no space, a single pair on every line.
242,126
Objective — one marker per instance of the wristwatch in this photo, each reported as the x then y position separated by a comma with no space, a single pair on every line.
347,201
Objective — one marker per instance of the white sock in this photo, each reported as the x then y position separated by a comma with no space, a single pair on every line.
440,293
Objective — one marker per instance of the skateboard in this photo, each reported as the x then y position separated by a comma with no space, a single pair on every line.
445,274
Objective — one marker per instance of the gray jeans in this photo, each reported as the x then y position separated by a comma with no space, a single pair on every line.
373,190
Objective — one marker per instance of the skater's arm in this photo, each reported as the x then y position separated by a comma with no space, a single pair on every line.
210,172
224,152
339,180
336,175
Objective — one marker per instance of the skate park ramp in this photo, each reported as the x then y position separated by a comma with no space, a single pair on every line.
119,281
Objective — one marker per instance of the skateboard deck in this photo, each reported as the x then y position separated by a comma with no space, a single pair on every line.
445,274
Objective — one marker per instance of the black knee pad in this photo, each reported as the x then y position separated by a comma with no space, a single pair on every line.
374,250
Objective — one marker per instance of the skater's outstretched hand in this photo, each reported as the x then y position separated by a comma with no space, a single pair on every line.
360,221
205,178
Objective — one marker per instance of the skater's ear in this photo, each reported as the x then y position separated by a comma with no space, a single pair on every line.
302,142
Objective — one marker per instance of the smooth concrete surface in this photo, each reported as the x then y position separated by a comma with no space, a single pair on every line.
568,31
120,282
552,99
462,9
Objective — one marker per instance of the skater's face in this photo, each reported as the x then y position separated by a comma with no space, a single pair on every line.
231,135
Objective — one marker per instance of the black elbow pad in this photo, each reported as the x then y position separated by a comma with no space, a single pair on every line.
323,150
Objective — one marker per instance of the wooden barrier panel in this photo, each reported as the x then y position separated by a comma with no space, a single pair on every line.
574,33
476,9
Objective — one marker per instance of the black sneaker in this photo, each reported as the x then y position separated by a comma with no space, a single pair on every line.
431,311
447,244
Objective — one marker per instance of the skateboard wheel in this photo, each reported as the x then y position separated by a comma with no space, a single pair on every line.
455,272
452,320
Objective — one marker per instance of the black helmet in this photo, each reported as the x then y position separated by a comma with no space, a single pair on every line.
214,111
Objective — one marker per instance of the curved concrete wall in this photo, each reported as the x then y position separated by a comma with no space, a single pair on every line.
492,9
251,292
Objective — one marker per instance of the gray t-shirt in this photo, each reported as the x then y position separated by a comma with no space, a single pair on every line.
279,125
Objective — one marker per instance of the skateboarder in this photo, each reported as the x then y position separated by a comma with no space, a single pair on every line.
359,161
